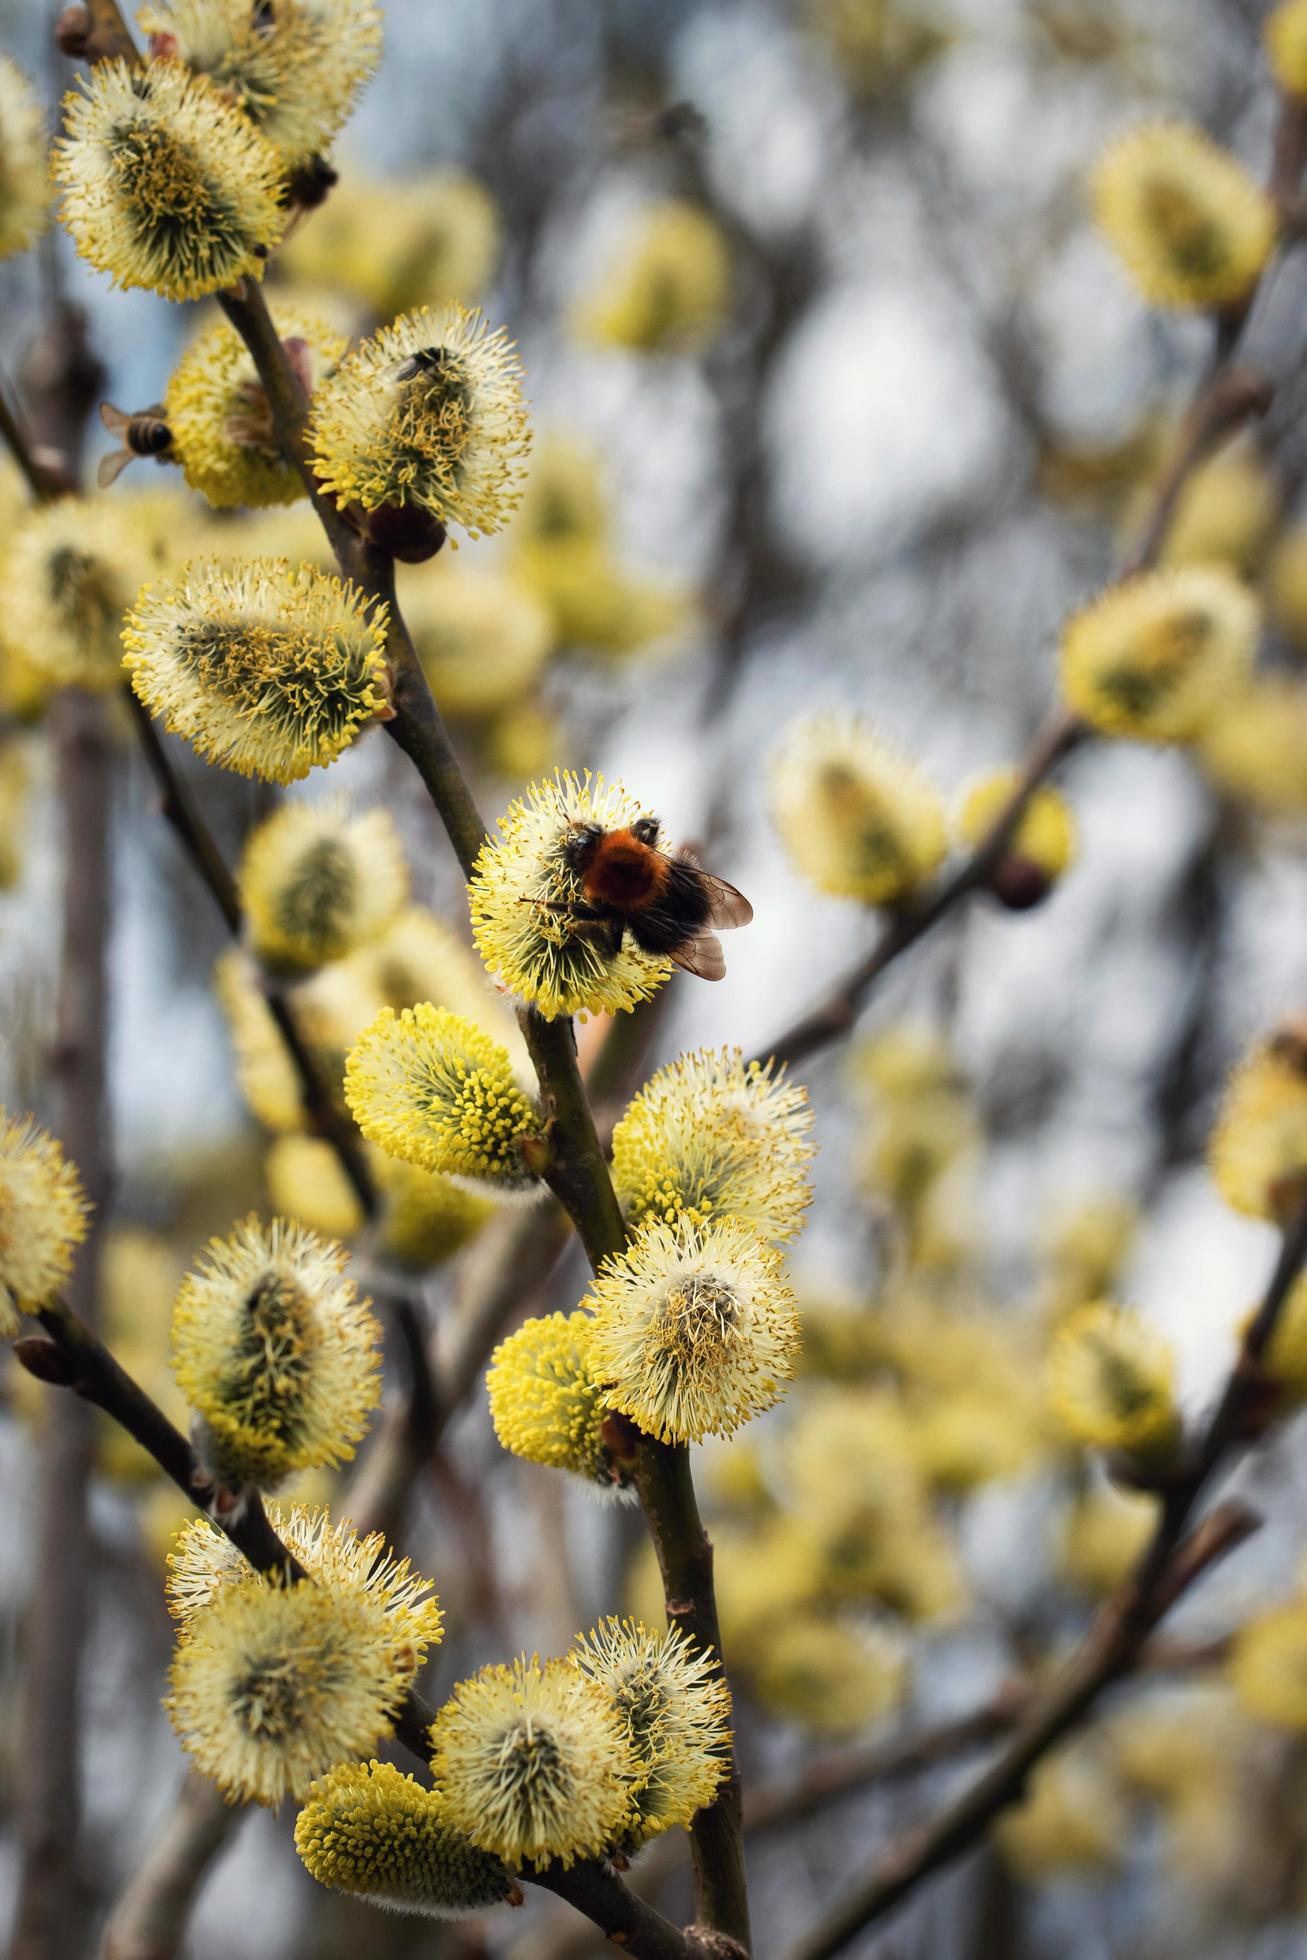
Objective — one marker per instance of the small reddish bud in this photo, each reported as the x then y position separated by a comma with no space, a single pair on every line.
72,32
45,1359
1019,883
405,531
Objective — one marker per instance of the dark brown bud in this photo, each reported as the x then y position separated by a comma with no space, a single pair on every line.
620,1437
72,32
1018,882
405,531
45,1359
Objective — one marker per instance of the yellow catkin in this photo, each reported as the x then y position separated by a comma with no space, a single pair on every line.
437,1090
218,415
857,816
533,1763
275,1353
695,1329
267,670
165,184
1258,1146
24,180
428,412
1188,222
713,1136
1112,1382
546,1405
1155,658
369,1830
670,291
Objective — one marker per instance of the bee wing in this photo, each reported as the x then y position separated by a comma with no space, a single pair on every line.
701,956
729,907
113,419
111,467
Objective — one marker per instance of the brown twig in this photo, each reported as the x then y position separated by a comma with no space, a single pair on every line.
1169,1566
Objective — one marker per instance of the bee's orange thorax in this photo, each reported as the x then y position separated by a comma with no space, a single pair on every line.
624,873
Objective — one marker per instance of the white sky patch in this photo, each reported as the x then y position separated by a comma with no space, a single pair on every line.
884,411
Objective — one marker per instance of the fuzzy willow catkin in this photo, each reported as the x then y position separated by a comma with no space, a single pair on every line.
165,183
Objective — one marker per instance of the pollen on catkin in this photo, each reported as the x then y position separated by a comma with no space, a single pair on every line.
671,290
272,1685
1154,658
695,1329
428,412
532,1763
1046,833
1258,1146
317,880
165,183
1111,1381
481,641
1284,33
529,917
713,1136
43,1216
219,417
368,1829
275,1353
546,1405
675,1707
268,671
1190,225
204,1565
72,569
436,1089
857,816
24,180
293,70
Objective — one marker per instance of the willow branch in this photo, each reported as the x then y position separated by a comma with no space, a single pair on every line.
579,1177
1225,401
1169,1566
577,1172
149,1920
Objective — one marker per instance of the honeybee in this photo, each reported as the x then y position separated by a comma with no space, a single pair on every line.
426,360
143,434
667,903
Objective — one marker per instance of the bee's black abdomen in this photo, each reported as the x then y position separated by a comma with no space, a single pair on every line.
682,909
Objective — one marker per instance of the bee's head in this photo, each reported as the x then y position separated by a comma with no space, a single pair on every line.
645,831
580,842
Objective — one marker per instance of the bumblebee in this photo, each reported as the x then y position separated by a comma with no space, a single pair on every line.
668,903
